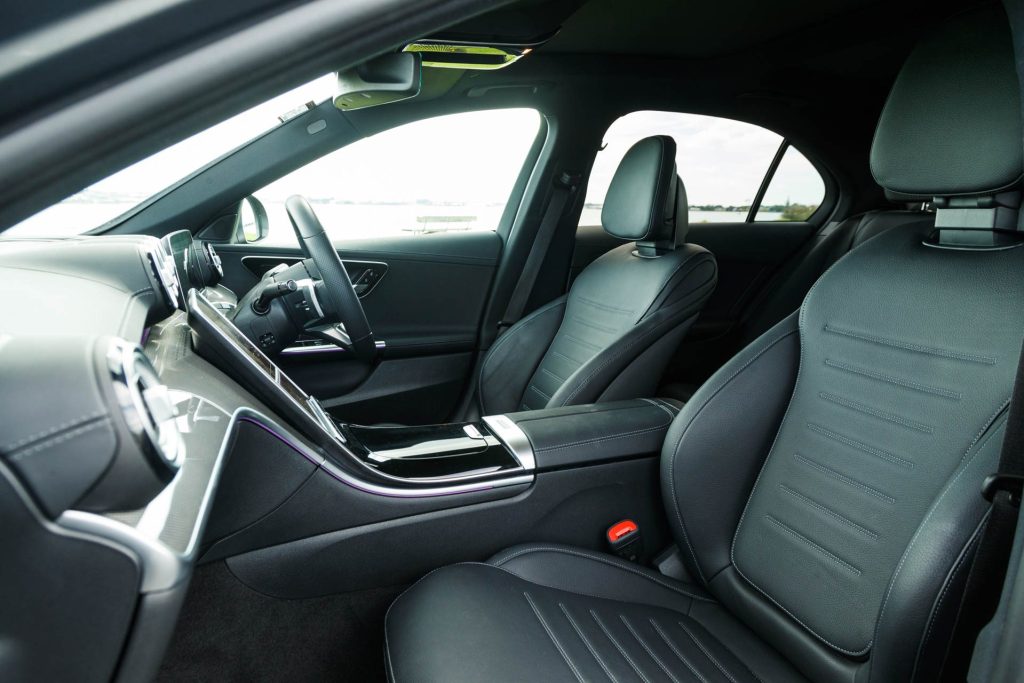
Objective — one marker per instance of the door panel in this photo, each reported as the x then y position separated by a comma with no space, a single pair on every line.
426,308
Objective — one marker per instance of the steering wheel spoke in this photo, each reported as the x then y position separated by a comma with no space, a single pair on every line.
344,322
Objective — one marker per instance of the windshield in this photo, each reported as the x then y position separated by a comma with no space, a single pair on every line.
117,194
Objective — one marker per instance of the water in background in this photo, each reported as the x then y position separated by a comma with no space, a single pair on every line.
342,221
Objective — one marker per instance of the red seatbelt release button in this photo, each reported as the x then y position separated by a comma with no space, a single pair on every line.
624,539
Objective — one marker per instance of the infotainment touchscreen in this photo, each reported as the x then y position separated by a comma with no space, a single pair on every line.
217,336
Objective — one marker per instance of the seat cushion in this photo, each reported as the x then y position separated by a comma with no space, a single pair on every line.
552,613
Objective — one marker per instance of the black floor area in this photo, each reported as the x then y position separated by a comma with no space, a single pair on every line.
229,632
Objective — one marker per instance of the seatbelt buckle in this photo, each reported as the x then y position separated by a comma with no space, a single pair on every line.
624,539
1011,483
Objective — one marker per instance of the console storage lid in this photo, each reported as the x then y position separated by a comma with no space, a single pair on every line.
581,435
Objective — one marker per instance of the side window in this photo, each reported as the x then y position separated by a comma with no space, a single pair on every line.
794,192
444,174
721,161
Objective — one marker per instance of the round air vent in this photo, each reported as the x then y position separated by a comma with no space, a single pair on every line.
146,405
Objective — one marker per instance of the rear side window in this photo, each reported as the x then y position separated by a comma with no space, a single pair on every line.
724,165
794,192
444,174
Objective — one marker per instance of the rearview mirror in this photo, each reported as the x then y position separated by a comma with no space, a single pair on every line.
388,78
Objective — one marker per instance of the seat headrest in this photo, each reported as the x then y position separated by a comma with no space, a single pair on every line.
952,124
646,201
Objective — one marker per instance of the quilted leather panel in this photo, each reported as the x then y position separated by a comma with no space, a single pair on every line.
892,393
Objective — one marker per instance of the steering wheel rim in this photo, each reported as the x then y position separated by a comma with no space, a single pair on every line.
341,297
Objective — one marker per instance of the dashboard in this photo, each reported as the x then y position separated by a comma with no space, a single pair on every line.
126,391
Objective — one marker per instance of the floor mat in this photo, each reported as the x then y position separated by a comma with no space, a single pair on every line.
229,632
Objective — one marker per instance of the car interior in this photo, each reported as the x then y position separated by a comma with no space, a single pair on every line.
538,340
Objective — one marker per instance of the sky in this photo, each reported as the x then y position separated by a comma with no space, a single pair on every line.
468,158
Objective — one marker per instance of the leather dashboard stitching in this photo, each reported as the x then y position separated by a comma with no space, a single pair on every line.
61,438
53,430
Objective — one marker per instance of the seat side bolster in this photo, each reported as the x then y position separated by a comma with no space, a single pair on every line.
717,444
912,624
514,357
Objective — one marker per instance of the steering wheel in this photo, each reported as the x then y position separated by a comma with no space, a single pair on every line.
342,302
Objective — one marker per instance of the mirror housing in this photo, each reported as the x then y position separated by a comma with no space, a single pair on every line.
251,223
383,79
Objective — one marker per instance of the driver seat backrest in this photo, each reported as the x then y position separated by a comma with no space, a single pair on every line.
611,336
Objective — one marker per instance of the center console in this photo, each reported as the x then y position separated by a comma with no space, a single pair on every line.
494,451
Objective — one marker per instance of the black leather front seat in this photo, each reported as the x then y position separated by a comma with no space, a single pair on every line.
824,486
611,336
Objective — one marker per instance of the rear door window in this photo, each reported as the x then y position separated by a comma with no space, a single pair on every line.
723,164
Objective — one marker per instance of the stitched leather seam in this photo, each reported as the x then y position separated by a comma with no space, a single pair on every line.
518,327
585,344
814,546
880,414
53,430
850,481
629,660
828,511
707,653
913,541
601,408
498,561
594,326
586,642
676,651
650,652
801,324
692,257
966,553
600,439
882,377
679,442
554,640
538,392
615,356
860,446
661,404
908,346
60,438
605,307
552,375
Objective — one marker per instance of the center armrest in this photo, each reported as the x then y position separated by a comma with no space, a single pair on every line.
589,434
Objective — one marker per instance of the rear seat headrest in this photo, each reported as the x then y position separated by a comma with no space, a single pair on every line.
646,201
952,124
